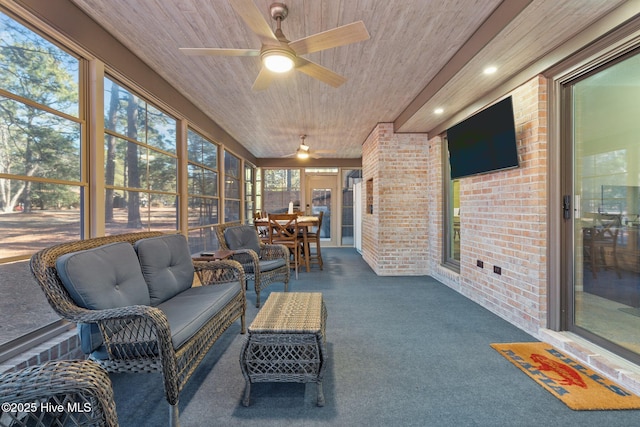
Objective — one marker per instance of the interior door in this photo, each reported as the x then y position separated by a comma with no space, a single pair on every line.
322,195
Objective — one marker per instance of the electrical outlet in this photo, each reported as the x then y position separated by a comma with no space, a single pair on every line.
480,264
497,269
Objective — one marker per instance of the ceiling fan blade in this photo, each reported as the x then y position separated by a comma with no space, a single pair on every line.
251,15
319,72
346,34
263,80
197,51
324,151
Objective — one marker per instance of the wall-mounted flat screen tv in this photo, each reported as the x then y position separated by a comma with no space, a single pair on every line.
484,142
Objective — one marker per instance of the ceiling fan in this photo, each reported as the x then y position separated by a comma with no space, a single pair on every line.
278,54
304,151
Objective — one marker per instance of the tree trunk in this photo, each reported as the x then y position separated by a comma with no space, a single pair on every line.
133,173
110,166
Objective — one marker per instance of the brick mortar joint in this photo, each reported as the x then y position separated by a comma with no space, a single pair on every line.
43,352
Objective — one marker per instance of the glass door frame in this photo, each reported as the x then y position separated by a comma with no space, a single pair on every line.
562,252
326,181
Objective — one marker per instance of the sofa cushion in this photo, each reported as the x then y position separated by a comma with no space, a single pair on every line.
242,237
187,312
108,276
166,265
272,264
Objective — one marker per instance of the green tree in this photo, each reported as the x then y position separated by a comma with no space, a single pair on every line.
34,141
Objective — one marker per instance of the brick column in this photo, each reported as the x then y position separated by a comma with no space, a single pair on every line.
395,234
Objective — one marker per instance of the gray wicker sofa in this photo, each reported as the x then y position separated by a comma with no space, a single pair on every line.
137,310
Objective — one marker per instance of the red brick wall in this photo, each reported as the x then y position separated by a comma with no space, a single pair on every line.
64,346
395,235
503,222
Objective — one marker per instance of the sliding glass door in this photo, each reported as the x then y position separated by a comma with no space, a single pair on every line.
320,195
604,298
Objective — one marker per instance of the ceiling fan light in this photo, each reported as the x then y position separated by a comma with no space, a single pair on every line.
279,61
302,154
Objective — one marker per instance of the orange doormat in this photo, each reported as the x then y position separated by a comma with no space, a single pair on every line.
577,386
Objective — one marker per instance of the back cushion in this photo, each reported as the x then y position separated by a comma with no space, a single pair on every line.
166,265
242,237
108,276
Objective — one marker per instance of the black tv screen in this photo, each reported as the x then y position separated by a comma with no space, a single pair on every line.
484,142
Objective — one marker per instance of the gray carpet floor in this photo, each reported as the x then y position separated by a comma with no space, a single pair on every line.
403,351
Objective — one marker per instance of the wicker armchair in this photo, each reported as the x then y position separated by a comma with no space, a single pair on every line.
137,338
58,393
269,264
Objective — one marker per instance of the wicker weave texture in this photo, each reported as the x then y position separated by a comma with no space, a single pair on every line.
291,312
138,338
286,342
251,262
58,393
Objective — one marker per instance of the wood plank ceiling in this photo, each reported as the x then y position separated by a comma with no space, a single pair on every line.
422,54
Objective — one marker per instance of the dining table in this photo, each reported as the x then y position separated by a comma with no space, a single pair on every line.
303,223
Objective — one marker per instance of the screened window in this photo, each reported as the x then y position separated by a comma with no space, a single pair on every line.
42,183
232,174
249,192
141,172
203,192
258,187
281,186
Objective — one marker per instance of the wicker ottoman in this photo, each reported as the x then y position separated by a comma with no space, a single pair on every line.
286,342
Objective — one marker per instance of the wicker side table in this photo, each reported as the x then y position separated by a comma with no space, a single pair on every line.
286,342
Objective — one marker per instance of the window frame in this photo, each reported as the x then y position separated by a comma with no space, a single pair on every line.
46,331
201,236
145,191
229,177
448,234
249,195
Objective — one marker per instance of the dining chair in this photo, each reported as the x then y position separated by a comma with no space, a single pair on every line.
601,242
313,236
283,230
261,228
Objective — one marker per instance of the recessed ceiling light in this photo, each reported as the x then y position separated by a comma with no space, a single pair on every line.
490,70
438,111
